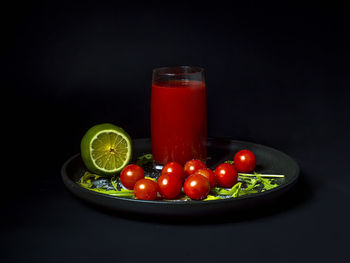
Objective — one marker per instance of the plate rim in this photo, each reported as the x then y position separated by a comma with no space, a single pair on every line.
70,184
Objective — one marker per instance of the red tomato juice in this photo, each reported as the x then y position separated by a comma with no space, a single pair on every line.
178,121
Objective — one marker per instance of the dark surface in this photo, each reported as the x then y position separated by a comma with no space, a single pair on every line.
270,161
276,75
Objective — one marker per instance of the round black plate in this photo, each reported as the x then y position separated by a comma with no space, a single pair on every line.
269,161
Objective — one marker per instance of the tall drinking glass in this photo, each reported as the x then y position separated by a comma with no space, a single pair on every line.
178,114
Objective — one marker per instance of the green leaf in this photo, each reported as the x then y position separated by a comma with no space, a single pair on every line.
151,178
212,197
237,189
246,179
233,191
86,181
114,183
244,192
220,191
252,184
144,159
267,183
121,193
228,161
262,175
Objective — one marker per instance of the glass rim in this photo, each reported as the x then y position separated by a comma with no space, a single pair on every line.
181,70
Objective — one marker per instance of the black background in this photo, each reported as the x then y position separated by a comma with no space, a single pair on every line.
276,75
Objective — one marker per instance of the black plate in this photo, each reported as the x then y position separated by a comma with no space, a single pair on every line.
269,161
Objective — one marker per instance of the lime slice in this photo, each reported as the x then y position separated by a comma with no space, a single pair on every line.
106,149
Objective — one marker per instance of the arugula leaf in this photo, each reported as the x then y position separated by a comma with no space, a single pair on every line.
115,184
266,183
144,159
237,189
219,191
212,197
262,175
246,179
251,185
86,181
245,192
121,193
151,178
234,191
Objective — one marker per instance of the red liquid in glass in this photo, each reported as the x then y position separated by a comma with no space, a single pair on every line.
178,121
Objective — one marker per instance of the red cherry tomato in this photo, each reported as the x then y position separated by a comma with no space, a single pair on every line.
174,168
169,185
193,165
197,186
130,175
146,189
244,161
226,175
209,174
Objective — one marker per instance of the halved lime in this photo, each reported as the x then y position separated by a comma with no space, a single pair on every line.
106,149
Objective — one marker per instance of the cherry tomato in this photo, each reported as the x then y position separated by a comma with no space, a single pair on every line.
193,165
130,175
175,169
145,189
226,175
170,185
209,174
197,186
244,161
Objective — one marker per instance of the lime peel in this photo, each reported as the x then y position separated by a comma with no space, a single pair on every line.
106,149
